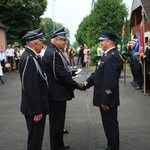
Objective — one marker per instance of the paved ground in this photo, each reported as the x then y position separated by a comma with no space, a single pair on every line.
83,119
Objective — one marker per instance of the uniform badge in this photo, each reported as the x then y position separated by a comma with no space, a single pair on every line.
108,91
99,63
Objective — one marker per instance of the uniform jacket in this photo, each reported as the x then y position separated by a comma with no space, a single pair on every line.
60,80
106,79
147,60
34,88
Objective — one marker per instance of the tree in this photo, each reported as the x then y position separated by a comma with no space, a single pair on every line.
49,27
20,16
108,15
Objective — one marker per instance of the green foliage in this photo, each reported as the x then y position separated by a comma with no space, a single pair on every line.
108,15
94,58
82,31
49,27
20,16
127,32
75,44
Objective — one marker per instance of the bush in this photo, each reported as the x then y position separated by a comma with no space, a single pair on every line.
94,58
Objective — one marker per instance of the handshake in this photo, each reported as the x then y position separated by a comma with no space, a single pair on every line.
82,87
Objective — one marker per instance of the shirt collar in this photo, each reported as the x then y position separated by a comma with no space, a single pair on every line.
33,51
108,50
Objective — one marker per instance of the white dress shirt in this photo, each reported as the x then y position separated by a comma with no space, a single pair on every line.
10,52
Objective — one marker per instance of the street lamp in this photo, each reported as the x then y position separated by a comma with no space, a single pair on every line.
53,14
93,2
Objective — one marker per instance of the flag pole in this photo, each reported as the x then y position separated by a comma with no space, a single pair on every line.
125,72
144,69
123,43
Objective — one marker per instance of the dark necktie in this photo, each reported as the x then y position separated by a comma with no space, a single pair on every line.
39,58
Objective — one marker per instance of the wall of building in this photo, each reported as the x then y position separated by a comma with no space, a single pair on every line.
2,38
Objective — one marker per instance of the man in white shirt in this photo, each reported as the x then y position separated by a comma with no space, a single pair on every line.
21,50
10,55
100,52
2,59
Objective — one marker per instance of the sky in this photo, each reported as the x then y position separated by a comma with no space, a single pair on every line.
71,12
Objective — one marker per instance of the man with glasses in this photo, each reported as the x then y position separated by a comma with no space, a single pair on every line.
105,80
61,86
35,101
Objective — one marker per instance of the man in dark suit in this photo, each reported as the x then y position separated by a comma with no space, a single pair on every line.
146,58
81,56
35,101
105,80
61,86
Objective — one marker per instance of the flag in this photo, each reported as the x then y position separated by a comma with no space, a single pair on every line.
122,40
140,42
137,46
141,39
121,46
123,30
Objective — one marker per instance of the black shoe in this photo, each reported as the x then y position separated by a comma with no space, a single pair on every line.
66,146
65,131
135,85
132,83
138,88
148,91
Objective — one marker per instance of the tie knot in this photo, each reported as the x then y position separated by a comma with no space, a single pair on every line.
39,58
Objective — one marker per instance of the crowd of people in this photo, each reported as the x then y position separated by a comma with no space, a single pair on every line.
84,57
139,63
10,58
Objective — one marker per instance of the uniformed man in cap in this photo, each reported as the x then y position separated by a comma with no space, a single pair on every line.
35,101
105,80
61,86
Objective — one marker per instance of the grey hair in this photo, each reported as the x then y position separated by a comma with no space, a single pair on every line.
31,42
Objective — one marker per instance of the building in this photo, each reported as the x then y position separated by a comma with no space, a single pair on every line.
140,11
2,36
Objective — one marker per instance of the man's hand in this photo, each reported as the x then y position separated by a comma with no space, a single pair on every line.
37,118
81,87
105,107
85,83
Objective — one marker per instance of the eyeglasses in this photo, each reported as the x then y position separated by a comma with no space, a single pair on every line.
62,39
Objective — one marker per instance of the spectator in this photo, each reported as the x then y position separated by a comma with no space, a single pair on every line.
81,56
10,56
71,53
1,72
21,50
87,57
100,52
43,50
3,59
16,58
